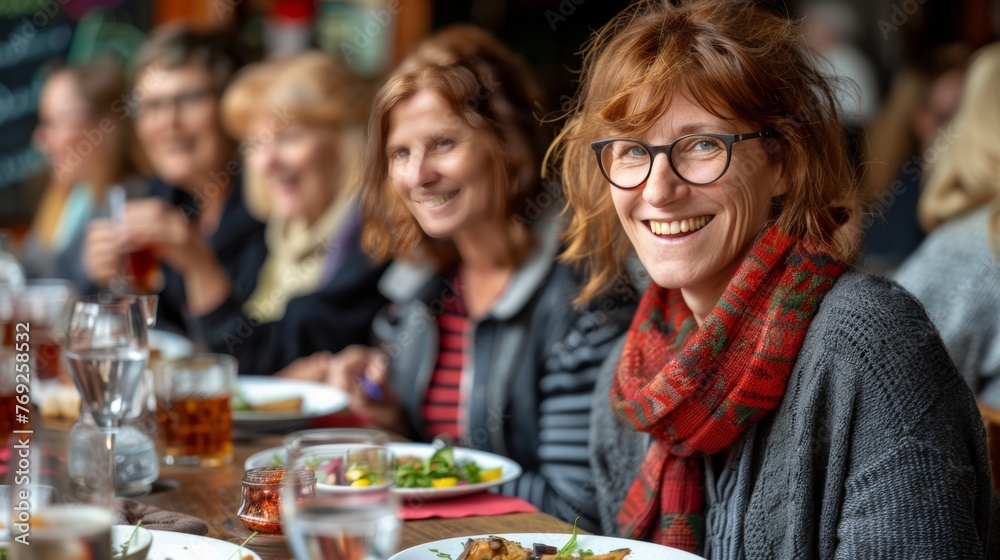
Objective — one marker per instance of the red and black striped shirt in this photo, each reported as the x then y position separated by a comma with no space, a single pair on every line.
441,409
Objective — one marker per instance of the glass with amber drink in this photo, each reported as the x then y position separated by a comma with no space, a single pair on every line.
140,267
144,272
193,414
7,296
8,395
41,306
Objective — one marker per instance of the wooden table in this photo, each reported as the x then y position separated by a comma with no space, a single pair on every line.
213,495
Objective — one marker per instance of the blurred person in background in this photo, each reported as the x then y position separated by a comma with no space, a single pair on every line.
481,344
89,148
956,271
768,402
469,43
922,102
831,29
317,290
195,214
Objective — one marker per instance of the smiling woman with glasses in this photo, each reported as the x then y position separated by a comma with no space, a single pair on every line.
767,402
195,223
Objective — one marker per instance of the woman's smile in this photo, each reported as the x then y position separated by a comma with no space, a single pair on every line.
677,228
438,201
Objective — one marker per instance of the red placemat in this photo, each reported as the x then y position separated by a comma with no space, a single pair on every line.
480,504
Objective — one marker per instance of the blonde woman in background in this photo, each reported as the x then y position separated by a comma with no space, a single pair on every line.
956,272
300,122
89,148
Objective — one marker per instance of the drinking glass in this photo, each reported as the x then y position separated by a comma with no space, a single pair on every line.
193,413
144,271
8,395
51,515
352,513
141,268
107,349
43,304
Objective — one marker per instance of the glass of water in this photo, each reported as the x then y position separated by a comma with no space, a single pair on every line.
52,516
351,513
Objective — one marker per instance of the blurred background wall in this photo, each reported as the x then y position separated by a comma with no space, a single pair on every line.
374,34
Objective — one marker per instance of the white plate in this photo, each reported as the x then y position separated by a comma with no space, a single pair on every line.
317,400
510,470
597,544
168,545
170,345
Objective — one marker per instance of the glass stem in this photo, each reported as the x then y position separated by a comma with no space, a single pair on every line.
109,443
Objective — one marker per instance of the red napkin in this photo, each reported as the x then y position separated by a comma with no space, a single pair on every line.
480,504
343,419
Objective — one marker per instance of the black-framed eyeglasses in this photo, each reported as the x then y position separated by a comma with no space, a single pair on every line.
182,103
698,159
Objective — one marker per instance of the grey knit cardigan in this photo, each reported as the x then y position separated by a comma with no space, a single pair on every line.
876,451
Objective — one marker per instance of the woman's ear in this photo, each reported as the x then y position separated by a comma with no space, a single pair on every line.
780,186
778,179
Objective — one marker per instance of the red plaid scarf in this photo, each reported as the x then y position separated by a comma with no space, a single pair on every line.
696,390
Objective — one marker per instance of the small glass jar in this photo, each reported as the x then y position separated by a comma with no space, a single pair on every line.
260,508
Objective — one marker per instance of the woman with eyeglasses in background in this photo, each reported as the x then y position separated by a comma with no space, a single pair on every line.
196,217
768,402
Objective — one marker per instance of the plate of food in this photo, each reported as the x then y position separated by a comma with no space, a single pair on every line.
541,546
168,545
262,403
422,471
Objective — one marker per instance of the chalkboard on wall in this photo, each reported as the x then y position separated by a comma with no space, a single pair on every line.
32,34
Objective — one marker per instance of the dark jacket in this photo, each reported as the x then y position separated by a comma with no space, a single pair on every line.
338,315
238,243
531,369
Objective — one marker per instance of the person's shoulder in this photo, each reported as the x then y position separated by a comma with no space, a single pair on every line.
955,243
873,338
864,313
573,331
858,297
564,282
972,225
956,251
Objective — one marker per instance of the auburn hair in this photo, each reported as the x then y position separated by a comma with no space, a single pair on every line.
736,61
390,230
522,96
